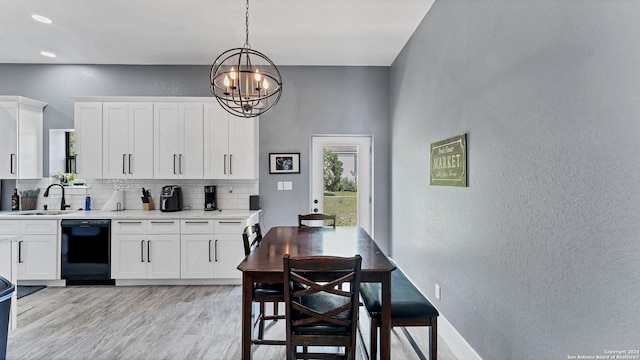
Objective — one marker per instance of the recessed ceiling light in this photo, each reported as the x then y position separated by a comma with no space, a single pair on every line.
47,54
42,19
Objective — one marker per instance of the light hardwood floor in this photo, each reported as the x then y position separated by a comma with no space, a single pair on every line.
155,322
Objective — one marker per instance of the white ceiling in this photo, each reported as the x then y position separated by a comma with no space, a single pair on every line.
195,32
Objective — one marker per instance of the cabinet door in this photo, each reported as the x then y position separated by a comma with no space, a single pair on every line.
190,158
88,135
163,256
166,145
216,144
30,150
228,253
196,256
8,140
140,158
115,132
37,257
128,256
243,148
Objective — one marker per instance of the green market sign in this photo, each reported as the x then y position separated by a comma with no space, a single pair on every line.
449,162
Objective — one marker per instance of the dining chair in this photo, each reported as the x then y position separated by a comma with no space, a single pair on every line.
327,220
263,292
318,312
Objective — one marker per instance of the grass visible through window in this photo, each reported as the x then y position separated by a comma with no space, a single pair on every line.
344,204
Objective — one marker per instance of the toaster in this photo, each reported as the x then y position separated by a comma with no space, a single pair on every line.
171,198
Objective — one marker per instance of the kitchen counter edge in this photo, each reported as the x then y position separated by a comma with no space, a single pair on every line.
136,214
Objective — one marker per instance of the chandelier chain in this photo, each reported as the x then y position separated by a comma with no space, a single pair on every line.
246,43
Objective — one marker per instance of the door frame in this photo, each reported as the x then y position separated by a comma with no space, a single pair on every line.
365,186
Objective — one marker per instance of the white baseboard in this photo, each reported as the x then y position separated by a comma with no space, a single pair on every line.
458,345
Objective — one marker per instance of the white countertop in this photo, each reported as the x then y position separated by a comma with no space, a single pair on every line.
131,214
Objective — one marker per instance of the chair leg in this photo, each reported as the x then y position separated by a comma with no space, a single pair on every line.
373,339
434,338
275,310
261,324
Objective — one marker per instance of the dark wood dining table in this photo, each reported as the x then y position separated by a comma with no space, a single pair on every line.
265,264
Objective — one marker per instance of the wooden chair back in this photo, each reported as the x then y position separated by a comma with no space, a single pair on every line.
328,220
252,235
318,311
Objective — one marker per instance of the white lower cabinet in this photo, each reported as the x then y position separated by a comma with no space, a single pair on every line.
37,249
197,249
177,249
229,252
212,249
145,249
228,248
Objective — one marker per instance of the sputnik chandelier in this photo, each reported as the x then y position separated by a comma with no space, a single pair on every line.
244,81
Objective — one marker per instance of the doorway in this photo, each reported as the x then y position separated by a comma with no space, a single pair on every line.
341,179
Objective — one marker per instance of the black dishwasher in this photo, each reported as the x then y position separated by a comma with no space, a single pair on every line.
86,252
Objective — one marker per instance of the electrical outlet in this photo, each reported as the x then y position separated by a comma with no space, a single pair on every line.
438,291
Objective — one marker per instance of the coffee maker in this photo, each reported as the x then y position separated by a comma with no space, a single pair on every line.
171,198
210,201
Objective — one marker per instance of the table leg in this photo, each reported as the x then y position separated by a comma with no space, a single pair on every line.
385,318
247,295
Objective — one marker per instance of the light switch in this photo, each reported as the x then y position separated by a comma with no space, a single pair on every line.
280,186
288,185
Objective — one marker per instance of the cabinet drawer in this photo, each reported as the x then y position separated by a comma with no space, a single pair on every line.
132,227
9,227
35,227
196,227
163,227
229,227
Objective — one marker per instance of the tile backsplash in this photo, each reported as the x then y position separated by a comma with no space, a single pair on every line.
231,194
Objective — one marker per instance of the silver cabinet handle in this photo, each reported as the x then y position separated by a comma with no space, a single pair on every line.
230,164
216,249
124,158
148,251
13,156
209,250
20,251
196,222
230,222
129,222
129,163
180,164
224,163
174,163
163,222
141,250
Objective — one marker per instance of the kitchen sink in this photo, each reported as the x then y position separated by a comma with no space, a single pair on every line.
43,212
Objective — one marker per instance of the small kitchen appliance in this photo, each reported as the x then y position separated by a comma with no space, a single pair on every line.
210,200
171,198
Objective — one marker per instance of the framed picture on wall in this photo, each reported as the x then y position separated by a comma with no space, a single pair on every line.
284,163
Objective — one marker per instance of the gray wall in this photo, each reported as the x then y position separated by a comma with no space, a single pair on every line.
325,100
539,256
316,100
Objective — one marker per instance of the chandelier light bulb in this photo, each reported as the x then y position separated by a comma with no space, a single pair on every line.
232,74
257,76
227,82
265,84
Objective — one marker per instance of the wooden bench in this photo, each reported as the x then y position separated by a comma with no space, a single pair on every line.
408,308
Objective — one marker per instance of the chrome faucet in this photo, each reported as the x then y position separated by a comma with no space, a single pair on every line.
63,204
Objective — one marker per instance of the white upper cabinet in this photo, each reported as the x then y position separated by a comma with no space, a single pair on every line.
128,140
21,138
87,119
162,138
179,140
231,145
